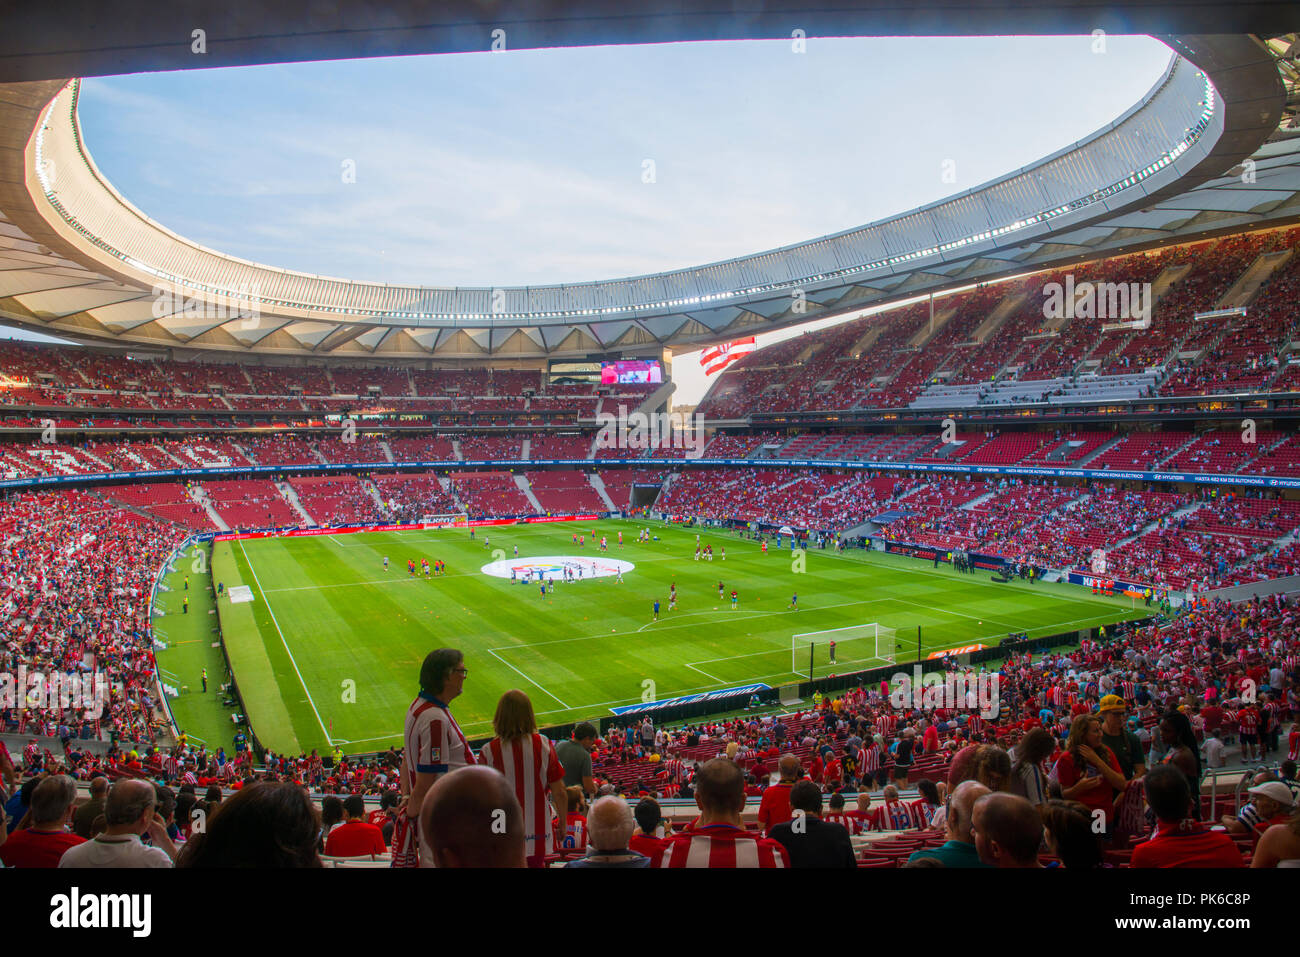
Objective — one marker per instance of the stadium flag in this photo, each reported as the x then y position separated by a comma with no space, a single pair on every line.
716,358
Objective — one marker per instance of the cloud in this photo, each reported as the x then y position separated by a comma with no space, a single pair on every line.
526,168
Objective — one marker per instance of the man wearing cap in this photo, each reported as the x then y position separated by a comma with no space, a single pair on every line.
1272,804
1123,743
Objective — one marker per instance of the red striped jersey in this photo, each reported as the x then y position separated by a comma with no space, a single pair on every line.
434,745
891,816
834,817
1247,720
531,767
869,759
434,742
886,723
921,812
721,846
673,769
855,822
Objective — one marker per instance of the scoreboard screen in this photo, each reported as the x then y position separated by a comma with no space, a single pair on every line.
631,371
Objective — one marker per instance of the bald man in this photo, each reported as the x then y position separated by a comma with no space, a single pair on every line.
1007,830
609,829
774,809
959,850
471,818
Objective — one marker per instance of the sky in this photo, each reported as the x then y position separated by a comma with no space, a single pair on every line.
534,167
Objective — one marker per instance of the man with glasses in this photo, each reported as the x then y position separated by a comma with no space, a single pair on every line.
435,746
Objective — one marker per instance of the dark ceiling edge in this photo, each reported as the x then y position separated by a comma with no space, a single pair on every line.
92,38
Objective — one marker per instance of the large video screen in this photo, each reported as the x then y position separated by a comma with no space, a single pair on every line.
631,370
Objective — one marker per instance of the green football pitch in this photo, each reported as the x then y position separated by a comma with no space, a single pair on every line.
330,645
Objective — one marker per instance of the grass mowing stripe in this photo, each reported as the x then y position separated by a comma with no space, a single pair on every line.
248,644
269,611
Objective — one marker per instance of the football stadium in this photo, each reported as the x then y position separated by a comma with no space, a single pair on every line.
967,536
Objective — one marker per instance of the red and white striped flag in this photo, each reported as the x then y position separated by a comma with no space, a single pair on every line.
716,358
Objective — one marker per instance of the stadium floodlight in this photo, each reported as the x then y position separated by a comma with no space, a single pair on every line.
856,648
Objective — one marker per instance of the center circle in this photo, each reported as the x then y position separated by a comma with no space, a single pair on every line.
552,568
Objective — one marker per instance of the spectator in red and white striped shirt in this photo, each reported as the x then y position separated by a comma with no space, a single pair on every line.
529,763
924,808
869,759
672,771
718,840
893,815
1248,725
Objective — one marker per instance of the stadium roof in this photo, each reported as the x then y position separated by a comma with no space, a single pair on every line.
1200,153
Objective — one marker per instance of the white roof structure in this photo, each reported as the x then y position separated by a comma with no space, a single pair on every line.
1200,153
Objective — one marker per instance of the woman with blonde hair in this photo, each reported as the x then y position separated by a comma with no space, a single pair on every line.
528,761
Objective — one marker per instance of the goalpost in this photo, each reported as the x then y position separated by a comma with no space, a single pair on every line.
857,647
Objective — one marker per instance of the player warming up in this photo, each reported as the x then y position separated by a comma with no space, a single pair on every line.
794,602
672,597
734,600
656,609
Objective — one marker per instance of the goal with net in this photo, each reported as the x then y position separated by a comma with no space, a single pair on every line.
842,650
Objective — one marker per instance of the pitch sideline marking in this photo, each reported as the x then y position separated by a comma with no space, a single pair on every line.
307,692
522,675
705,673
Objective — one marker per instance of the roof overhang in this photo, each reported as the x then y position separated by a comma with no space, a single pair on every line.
78,260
